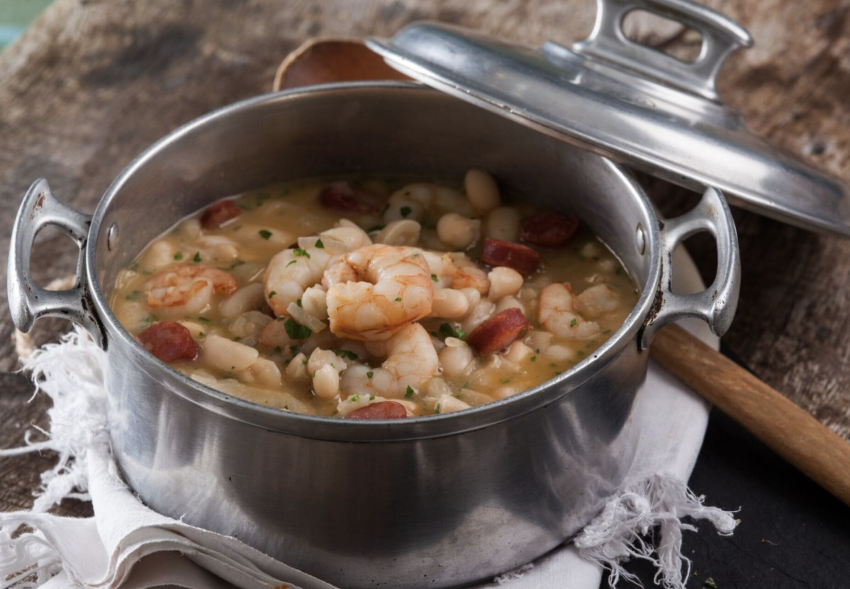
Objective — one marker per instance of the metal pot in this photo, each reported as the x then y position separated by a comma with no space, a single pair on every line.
437,501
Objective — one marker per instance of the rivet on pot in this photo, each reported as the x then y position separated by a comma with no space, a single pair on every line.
111,236
641,239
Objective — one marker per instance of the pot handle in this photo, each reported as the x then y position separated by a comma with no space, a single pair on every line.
27,300
721,36
715,305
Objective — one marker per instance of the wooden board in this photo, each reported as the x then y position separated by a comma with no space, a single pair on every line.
93,82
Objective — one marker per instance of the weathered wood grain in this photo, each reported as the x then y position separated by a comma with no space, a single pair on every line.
93,82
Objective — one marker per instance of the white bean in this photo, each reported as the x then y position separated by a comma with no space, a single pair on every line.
449,303
539,339
559,353
456,357
473,296
227,355
449,404
502,223
400,233
159,255
320,358
326,382
508,303
247,298
481,190
297,369
518,352
266,373
504,281
458,232
482,311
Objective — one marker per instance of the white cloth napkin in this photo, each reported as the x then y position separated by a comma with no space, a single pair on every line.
130,546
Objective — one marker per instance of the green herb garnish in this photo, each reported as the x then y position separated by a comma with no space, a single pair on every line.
272,293
292,262
405,211
409,393
295,330
437,408
348,355
265,233
136,295
319,244
447,330
370,374
355,398
178,256
573,322
301,253
197,258
434,278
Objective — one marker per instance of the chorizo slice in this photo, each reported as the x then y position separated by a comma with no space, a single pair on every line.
519,257
382,410
498,332
219,213
342,197
551,229
169,341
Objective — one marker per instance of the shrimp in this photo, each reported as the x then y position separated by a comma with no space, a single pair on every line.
557,312
457,271
376,290
187,289
292,271
597,301
411,361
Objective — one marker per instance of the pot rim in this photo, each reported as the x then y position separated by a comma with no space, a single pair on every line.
334,428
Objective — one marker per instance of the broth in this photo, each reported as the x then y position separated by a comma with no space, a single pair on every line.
375,296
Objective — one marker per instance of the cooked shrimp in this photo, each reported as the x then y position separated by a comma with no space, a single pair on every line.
597,301
376,290
292,271
557,313
457,271
411,361
187,289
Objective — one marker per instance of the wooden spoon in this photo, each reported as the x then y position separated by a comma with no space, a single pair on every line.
788,430
332,59
791,432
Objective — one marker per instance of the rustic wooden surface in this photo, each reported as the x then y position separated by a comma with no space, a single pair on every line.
93,82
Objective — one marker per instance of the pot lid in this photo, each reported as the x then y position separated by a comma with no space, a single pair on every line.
631,103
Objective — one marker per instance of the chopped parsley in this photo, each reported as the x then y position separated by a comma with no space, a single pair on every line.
292,262
265,233
203,320
534,358
178,256
197,257
295,330
201,334
437,408
319,244
405,211
298,302
348,355
447,330
398,299
371,397
505,380
355,398
434,278
573,322
272,293
136,295
409,393
301,253
370,374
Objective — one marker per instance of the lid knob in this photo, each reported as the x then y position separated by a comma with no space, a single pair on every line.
721,36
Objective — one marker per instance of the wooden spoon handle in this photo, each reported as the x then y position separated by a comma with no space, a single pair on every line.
790,431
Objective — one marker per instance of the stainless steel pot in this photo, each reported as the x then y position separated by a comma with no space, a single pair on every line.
435,501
